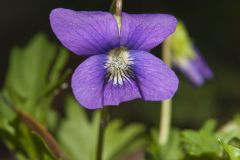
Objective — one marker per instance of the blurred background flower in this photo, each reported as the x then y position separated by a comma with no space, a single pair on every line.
187,58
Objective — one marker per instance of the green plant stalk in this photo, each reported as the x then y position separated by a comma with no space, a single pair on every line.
101,130
166,108
116,7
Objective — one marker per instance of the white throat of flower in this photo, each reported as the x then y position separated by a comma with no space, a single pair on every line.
118,66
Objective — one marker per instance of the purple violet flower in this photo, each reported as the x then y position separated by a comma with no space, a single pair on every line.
187,58
196,68
119,67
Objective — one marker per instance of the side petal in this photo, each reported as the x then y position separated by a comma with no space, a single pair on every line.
85,33
155,79
145,31
115,94
88,81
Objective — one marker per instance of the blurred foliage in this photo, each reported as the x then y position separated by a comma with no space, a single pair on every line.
202,143
205,144
78,135
34,74
170,151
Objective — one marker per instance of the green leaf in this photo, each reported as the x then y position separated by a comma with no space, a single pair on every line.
121,140
6,116
29,67
42,147
232,152
59,64
25,143
78,135
235,141
202,142
229,130
170,151
209,126
34,75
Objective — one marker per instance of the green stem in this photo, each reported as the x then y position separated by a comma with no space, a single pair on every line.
166,108
101,130
165,121
116,7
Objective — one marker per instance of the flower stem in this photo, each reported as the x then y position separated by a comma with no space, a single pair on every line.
166,108
116,7
101,129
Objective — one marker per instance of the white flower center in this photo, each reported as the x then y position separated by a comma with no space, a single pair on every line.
118,65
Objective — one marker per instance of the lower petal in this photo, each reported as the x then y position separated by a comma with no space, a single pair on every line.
156,81
115,94
88,82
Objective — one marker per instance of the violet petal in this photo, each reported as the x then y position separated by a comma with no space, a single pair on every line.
145,31
189,69
155,79
201,65
115,94
85,33
88,82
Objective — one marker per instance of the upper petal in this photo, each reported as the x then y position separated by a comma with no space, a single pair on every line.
88,82
85,33
155,79
145,31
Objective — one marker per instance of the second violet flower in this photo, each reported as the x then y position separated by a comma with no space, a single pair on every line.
187,58
119,67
